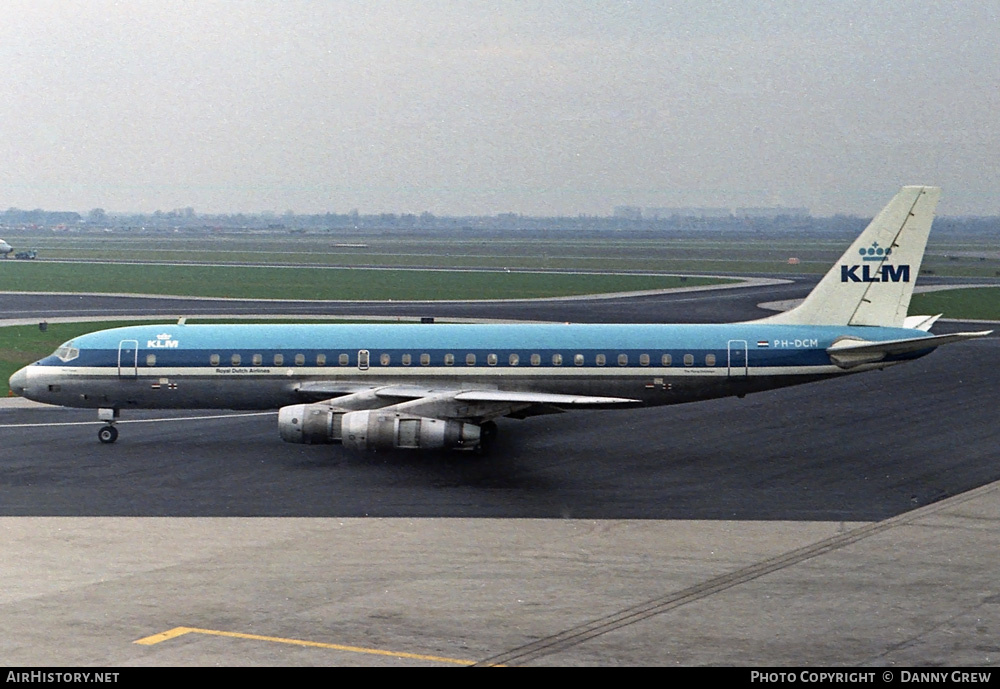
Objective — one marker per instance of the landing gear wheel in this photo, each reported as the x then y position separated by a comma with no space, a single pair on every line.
487,434
108,434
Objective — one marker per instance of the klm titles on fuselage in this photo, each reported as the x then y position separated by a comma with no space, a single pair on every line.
163,341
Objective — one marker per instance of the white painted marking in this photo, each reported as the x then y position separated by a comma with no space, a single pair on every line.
178,418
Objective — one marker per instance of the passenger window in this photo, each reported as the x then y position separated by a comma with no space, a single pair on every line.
343,360
425,359
258,359
623,359
470,359
491,359
236,359
689,359
151,360
321,359
536,359
557,359
300,359
213,360
644,360
666,360
710,360
578,359
600,360
279,359
449,359
384,359
514,360
406,360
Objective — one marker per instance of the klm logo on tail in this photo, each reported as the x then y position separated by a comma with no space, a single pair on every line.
884,273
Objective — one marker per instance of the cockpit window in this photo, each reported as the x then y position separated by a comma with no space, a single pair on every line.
67,352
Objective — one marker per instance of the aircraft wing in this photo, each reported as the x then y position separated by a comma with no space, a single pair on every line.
482,405
849,353
541,398
453,403
469,395
322,389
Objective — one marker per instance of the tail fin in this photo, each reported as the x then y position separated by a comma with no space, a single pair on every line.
873,281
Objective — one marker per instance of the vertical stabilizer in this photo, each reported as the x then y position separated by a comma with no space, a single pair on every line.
873,281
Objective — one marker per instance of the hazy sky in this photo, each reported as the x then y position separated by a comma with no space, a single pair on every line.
540,108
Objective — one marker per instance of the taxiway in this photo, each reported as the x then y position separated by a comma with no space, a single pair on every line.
852,522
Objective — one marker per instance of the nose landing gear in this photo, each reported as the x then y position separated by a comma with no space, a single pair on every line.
108,433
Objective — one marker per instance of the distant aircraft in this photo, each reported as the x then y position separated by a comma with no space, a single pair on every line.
5,248
374,387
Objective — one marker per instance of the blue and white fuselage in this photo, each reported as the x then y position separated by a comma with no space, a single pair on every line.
441,386
270,366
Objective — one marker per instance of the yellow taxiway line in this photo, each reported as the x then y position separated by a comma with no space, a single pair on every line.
180,631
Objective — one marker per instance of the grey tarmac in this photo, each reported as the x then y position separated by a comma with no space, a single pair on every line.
853,522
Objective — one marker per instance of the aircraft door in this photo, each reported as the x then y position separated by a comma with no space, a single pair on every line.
128,359
363,359
737,358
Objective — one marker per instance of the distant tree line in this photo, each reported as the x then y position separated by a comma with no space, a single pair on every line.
16,216
188,219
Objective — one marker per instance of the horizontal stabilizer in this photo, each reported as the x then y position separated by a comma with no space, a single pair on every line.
921,322
848,353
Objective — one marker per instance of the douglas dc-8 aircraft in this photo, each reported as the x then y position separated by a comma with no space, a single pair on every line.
375,387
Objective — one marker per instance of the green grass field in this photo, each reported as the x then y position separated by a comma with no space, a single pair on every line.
318,283
981,303
969,256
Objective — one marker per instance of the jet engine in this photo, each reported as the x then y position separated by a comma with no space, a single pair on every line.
372,429
314,424
376,429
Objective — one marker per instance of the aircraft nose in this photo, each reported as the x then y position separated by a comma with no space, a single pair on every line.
19,382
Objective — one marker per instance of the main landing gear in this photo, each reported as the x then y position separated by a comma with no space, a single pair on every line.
107,434
487,434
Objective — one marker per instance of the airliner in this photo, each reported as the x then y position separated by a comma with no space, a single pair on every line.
441,386
5,248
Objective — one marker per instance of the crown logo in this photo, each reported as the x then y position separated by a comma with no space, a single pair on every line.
874,252
163,336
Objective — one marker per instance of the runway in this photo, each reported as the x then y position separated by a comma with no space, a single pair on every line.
705,514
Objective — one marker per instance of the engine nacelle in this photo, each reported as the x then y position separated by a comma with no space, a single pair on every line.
315,424
373,429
